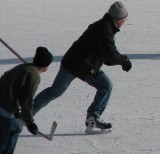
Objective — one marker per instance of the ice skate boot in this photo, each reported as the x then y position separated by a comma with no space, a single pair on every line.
96,122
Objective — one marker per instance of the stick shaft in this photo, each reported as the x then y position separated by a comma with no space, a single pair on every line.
44,135
50,136
14,52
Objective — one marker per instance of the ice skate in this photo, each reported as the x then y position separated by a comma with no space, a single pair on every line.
94,122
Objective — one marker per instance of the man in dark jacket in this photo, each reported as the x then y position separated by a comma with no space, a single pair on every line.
17,89
95,47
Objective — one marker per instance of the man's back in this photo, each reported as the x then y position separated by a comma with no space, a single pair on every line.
16,81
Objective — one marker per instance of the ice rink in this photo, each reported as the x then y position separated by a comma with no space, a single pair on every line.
134,106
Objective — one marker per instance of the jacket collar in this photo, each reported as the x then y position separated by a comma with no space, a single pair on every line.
106,17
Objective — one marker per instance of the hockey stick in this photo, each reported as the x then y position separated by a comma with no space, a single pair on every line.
46,136
15,53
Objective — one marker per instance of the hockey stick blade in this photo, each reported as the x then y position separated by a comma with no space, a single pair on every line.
53,128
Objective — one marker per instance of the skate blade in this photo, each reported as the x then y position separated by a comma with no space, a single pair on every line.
90,130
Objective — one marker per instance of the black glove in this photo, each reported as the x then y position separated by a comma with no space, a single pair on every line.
126,64
32,127
18,114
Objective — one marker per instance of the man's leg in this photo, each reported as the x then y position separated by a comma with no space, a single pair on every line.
104,87
60,84
15,130
5,125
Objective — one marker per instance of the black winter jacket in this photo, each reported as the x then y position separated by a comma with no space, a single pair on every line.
95,47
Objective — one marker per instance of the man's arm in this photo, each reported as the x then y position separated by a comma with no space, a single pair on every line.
109,50
26,102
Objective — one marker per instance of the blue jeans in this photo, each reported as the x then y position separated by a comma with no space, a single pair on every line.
63,79
103,85
9,133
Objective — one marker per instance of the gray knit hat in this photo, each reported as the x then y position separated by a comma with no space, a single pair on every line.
118,11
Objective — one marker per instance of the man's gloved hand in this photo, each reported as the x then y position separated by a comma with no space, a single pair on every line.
32,127
18,114
126,64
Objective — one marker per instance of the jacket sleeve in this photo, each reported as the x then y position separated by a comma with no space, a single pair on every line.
26,95
107,47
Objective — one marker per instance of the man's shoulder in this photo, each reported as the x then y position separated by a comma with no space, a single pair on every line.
31,69
25,69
